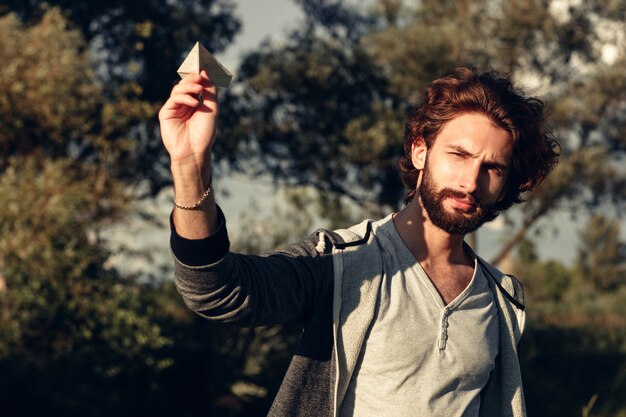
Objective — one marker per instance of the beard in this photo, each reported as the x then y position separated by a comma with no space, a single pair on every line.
452,221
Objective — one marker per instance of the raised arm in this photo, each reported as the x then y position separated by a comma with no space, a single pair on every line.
217,284
188,133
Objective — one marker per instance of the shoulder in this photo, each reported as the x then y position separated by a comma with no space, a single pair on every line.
340,239
510,286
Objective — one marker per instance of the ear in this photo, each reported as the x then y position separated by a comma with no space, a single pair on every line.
418,153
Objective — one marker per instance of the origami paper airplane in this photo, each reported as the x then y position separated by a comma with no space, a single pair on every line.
199,58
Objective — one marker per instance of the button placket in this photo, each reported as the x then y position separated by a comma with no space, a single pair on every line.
443,331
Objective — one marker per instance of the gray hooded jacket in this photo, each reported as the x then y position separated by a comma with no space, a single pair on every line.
329,284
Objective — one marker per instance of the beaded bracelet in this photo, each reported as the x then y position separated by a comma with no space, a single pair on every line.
197,203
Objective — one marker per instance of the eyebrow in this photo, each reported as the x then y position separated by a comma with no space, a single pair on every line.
491,164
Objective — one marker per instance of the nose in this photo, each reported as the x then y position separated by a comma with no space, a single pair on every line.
468,177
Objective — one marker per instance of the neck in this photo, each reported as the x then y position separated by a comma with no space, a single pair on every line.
429,244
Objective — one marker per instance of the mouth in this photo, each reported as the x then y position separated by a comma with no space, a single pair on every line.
463,205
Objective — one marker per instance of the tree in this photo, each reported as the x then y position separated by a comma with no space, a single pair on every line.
44,107
574,333
134,50
544,281
601,254
95,340
64,313
326,107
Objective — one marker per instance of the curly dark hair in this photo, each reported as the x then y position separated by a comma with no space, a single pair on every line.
492,94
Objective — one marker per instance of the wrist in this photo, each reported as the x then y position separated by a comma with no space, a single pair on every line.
191,182
192,170
198,204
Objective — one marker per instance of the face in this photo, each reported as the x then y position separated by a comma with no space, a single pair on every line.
463,173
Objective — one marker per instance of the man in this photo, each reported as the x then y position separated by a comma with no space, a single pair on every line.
400,317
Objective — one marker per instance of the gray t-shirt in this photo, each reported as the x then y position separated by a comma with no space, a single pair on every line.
422,358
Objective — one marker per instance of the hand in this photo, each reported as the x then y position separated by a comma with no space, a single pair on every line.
188,126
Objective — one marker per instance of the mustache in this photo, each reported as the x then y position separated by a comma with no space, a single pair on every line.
472,198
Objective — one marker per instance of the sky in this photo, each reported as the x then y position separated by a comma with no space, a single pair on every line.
274,18
260,19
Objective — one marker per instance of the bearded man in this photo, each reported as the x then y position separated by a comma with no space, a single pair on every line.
400,317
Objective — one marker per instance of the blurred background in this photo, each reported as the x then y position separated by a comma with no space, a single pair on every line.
310,133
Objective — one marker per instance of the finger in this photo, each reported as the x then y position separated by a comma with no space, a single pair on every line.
173,110
187,88
209,95
178,100
185,100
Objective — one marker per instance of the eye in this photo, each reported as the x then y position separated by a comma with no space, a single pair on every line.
496,170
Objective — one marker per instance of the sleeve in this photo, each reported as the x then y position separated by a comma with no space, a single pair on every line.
249,290
199,252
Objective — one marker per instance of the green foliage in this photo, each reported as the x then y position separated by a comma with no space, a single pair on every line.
300,107
52,104
78,96
76,336
129,53
131,41
563,367
48,95
574,347
544,281
326,107
602,256
63,312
